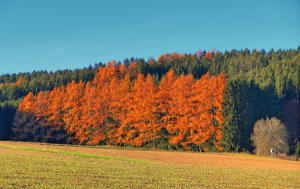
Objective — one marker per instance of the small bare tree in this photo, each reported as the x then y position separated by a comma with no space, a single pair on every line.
270,134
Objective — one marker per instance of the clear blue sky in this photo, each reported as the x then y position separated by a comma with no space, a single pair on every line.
60,34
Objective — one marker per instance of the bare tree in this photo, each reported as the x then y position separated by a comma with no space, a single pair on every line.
270,134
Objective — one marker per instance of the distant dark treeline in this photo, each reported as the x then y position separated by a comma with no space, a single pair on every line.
259,84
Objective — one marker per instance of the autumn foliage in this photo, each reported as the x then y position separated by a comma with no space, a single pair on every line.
123,107
18,82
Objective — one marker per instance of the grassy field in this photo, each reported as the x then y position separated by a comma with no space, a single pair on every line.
34,165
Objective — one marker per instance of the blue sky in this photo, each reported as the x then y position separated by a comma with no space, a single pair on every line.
68,34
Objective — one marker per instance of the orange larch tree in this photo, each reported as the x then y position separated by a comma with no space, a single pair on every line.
202,107
20,80
144,115
27,104
207,118
97,99
55,108
208,55
180,110
220,86
164,97
134,118
133,70
72,109
88,118
121,98
41,107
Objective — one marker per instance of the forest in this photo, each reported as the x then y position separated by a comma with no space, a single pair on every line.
206,101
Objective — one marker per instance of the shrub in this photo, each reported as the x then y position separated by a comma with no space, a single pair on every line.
270,133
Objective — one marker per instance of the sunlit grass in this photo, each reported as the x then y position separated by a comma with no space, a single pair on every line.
28,167
70,153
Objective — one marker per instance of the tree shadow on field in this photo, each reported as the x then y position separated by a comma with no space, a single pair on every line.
25,127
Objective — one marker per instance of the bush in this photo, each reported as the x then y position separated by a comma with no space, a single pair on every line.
270,133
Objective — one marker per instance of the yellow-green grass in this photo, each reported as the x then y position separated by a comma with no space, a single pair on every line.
23,166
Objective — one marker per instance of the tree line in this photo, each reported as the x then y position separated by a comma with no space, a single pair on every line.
125,108
259,84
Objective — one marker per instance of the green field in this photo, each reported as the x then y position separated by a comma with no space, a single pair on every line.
25,166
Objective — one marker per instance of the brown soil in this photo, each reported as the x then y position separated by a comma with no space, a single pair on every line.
213,159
